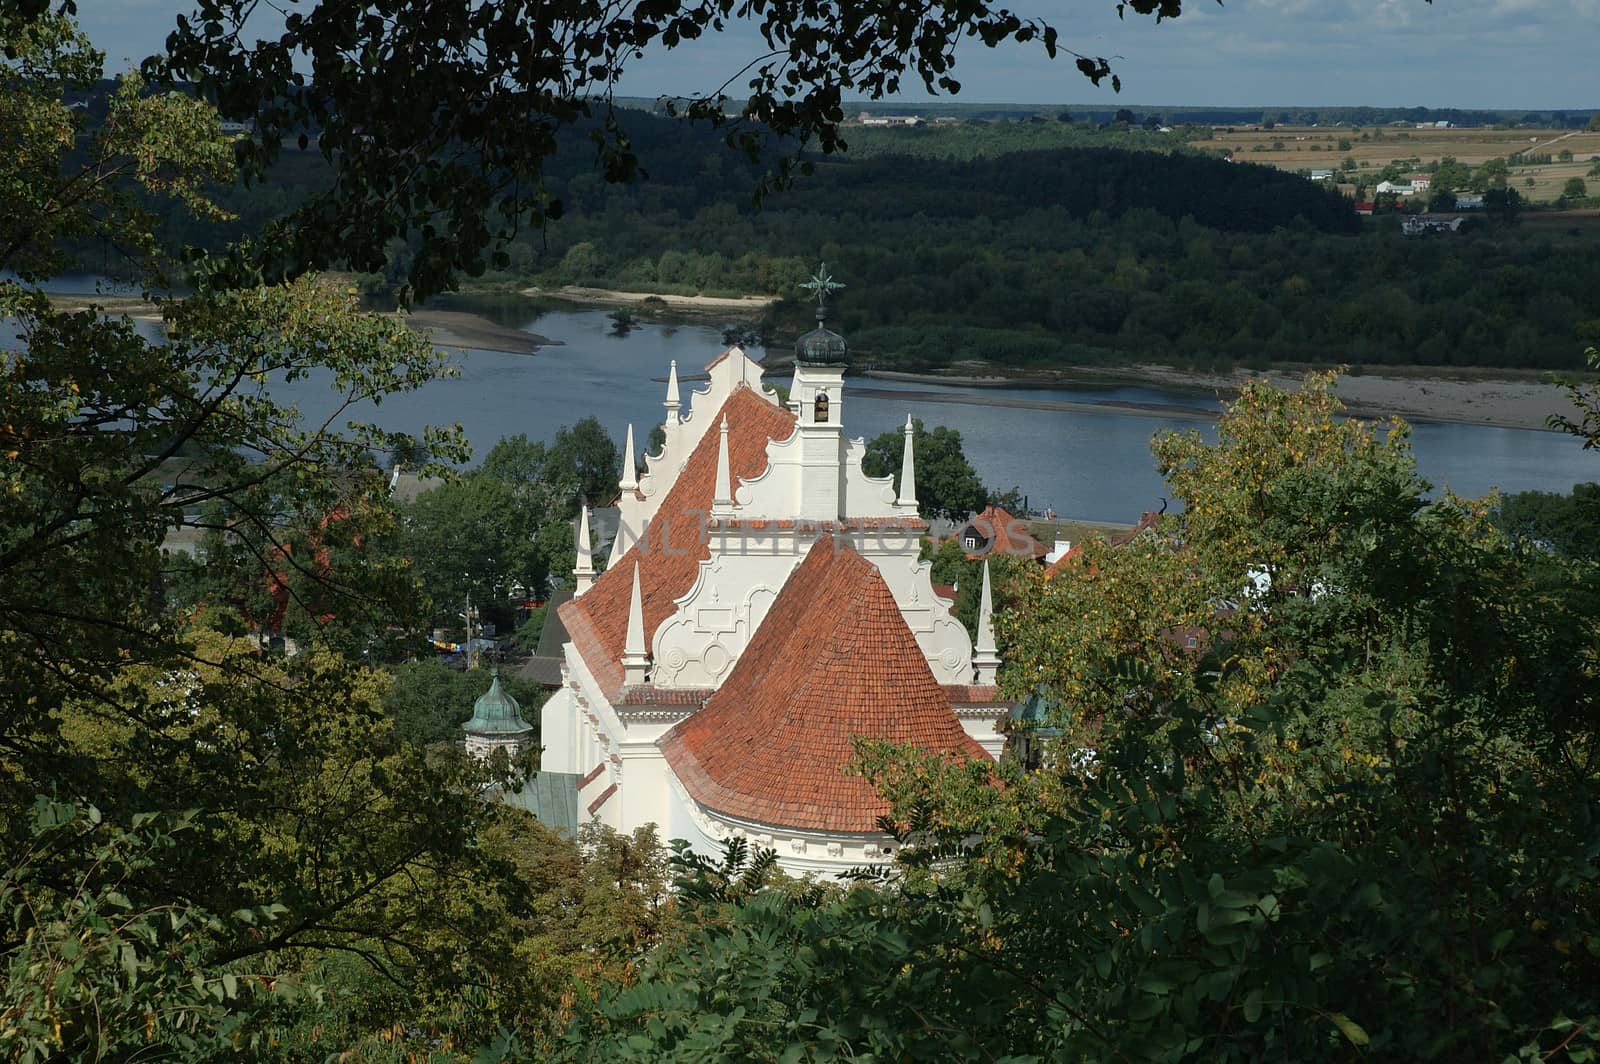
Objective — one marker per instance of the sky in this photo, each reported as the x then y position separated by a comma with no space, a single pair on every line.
1488,54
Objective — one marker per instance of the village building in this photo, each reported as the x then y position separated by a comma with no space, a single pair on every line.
996,531
1417,224
763,608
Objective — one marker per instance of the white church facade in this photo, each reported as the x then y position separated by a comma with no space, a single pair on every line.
764,605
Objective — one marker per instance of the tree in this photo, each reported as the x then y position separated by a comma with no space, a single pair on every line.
586,451
498,84
1574,189
947,485
1566,524
1502,203
108,978
259,808
477,535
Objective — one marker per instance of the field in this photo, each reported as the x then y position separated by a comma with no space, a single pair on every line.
1374,147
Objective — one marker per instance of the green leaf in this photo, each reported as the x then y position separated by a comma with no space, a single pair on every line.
1352,1030
1252,1005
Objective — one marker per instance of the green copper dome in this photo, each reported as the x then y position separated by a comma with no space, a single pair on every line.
496,713
820,345
1033,714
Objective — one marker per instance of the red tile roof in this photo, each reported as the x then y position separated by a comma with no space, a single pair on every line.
673,546
1147,520
1006,535
833,660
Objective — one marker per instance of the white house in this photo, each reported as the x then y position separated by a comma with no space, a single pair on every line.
764,607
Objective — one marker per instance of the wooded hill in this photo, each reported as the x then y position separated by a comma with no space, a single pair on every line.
1050,258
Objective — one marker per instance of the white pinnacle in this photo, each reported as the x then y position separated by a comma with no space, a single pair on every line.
630,479
722,502
985,656
908,470
583,572
634,658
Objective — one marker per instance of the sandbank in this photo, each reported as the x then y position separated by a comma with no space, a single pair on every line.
459,328
611,297
1512,400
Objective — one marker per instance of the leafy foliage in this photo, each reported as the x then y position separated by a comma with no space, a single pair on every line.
96,975
1566,524
947,485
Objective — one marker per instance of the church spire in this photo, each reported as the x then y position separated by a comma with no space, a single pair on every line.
722,502
985,656
630,473
583,572
634,657
908,470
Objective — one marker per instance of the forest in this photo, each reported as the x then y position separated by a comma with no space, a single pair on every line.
1053,258
1032,258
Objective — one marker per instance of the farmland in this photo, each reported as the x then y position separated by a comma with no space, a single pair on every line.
1378,147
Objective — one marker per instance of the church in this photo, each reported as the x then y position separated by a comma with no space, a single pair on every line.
762,607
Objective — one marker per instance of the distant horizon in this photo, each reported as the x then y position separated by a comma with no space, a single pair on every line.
1118,104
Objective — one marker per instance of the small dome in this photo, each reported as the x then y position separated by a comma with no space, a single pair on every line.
821,345
1032,712
496,713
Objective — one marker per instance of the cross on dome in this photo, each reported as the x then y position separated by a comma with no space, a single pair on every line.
820,286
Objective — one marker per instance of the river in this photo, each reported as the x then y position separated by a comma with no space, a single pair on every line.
1081,461
1092,464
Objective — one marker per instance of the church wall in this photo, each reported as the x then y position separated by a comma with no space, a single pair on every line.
558,733
645,797
984,730
800,853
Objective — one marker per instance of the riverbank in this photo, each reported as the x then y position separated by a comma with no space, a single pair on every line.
1162,410
1503,399
745,306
